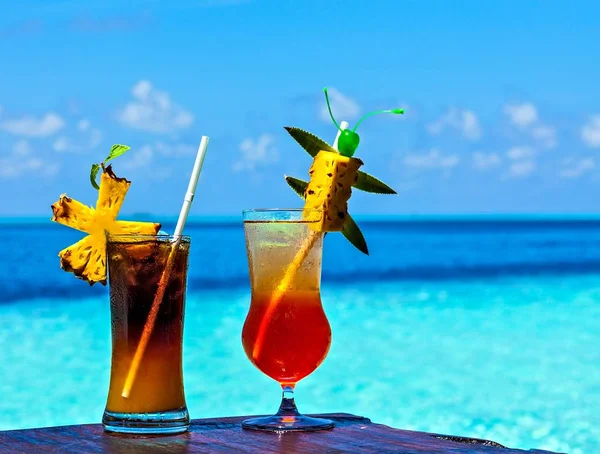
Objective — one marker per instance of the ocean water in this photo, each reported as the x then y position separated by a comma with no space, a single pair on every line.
483,328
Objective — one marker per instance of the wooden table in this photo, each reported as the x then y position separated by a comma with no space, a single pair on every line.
352,434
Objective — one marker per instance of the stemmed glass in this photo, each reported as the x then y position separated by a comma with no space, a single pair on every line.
286,334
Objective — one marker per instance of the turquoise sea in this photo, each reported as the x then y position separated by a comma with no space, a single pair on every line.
469,326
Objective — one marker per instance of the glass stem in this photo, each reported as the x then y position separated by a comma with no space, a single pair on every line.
288,404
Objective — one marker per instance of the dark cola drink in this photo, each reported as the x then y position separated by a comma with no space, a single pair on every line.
156,400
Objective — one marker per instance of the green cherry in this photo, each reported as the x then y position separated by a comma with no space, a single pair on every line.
348,143
349,140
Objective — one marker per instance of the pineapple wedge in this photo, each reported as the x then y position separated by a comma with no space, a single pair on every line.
86,259
331,178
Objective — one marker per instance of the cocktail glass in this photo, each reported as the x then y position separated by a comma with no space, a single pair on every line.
286,334
156,401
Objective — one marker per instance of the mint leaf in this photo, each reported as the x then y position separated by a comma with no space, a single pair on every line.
94,174
116,151
369,183
311,143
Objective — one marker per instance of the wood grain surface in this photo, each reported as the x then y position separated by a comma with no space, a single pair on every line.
352,434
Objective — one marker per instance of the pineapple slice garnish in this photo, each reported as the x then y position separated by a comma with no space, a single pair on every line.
333,174
329,189
86,259
332,178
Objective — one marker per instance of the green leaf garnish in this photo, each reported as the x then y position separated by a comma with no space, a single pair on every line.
94,174
115,151
311,143
297,185
353,234
369,183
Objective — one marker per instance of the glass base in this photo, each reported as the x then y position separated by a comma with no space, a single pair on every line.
160,423
278,423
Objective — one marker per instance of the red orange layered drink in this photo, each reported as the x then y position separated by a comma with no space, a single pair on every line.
286,334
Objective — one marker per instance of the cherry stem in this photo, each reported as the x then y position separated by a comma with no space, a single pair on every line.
392,111
329,108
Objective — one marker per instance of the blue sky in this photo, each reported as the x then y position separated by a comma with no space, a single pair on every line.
502,100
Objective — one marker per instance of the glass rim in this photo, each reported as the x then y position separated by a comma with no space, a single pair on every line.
145,237
281,210
283,215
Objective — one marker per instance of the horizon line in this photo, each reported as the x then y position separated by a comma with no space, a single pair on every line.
12,219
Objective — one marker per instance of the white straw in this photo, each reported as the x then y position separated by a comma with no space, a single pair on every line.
164,279
189,195
343,125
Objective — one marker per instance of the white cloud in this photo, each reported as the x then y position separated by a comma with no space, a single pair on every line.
22,161
521,169
21,148
10,168
575,168
485,161
590,132
465,121
152,110
523,161
73,107
343,107
256,152
516,153
61,144
83,125
522,114
30,126
138,158
546,135
431,160
143,89
143,156
95,138
84,138
525,116
175,149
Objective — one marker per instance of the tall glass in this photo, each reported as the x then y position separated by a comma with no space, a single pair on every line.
286,334
156,402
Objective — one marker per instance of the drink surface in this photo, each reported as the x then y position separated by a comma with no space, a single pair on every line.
135,269
296,335
297,339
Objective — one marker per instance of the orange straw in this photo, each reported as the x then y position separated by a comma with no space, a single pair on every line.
289,275
290,272
166,275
